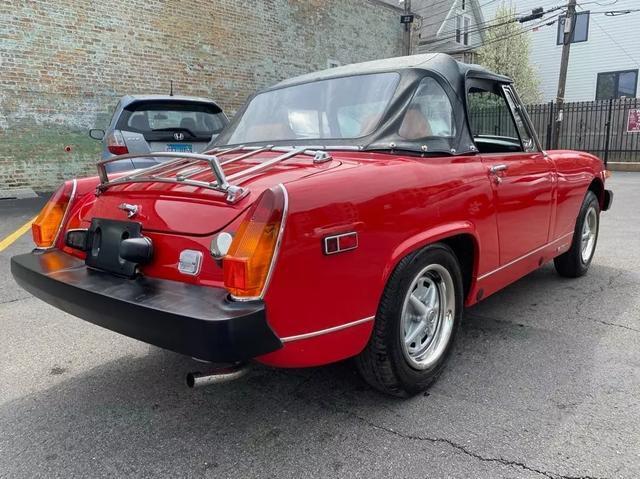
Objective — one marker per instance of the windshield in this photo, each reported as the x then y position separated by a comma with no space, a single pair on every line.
337,108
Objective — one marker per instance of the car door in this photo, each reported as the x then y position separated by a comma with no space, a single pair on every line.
522,176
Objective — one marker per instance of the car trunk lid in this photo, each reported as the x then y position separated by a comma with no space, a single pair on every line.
165,204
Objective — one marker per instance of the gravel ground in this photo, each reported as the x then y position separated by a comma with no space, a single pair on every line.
544,382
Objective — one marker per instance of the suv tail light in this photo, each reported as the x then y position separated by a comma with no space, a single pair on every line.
247,265
116,144
46,226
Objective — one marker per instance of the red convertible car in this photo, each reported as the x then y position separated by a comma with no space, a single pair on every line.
352,212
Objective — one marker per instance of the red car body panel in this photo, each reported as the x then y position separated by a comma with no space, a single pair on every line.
397,204
393,190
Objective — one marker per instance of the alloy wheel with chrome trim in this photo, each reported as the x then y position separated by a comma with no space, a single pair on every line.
427,316
576,261
589,234
416,323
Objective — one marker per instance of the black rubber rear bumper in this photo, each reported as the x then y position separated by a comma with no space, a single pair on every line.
608,200
193,320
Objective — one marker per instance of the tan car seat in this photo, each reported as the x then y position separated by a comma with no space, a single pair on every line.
414,125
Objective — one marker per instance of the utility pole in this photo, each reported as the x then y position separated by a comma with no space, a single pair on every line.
569,27
407,27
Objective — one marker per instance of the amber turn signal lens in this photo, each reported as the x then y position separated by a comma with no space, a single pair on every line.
45,227
246,265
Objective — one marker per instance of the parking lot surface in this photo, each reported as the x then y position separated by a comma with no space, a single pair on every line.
544,382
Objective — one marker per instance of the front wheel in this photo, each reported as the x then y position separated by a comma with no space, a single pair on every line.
416,323
576,261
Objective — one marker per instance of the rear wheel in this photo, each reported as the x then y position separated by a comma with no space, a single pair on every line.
416,323
576,261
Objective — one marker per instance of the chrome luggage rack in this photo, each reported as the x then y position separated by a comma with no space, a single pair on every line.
225,184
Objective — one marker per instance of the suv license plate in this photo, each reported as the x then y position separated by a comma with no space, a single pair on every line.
180,147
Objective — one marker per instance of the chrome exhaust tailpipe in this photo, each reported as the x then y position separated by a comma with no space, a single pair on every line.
218,376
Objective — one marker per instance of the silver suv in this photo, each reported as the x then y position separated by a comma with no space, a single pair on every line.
150,123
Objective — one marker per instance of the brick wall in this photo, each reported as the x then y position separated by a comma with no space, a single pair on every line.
64,64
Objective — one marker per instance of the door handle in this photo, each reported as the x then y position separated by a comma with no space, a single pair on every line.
495,171
498,168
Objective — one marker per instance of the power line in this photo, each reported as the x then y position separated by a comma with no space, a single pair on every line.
616,13
547,22
456,35
446,10
481,28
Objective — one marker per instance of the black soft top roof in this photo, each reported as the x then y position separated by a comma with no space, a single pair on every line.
451,74
451,69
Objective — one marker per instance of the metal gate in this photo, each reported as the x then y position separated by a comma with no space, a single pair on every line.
598,127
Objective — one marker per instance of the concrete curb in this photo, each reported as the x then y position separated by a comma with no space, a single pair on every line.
623,166
17,194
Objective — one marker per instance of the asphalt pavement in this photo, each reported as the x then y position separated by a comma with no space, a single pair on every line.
544,382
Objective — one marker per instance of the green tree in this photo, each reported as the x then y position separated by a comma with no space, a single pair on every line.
506,51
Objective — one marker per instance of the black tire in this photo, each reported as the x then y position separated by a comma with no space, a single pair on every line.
383,363
572,264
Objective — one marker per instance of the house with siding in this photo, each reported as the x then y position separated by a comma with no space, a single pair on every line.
604,60
450,26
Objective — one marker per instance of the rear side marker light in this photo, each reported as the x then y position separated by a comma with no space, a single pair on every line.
339,243
251,257
47,225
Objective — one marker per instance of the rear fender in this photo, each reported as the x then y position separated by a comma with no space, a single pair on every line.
431,236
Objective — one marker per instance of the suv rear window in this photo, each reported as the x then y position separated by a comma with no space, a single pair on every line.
156,119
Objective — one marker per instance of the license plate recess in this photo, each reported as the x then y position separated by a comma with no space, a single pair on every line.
104,239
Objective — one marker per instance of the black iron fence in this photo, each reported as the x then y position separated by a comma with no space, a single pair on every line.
609,129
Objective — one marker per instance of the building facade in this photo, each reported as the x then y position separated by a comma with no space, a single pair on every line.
64,64
605,58
450,26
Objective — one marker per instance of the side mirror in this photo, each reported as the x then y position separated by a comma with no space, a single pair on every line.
96,134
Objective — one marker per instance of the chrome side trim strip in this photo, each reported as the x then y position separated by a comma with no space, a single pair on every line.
313,334
512,262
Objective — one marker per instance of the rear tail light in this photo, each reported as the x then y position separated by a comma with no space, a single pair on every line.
46,226
116,144
252,253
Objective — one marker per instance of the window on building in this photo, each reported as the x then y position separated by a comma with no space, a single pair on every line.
467,23
463,25
580,31
464,4
617,84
